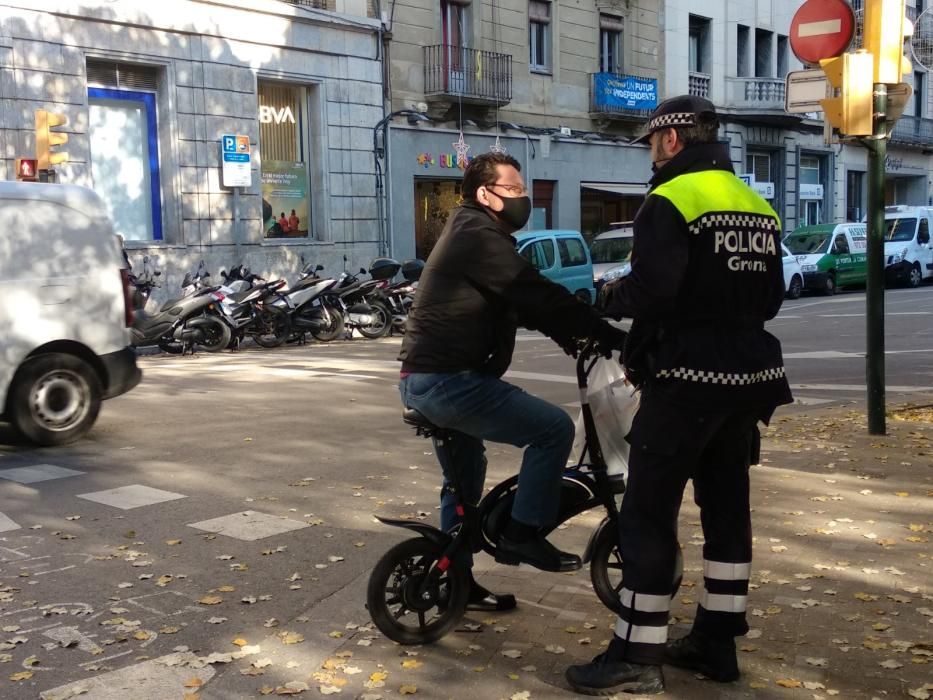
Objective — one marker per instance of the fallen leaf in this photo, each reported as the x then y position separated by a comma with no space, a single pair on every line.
141,635
291,637
789,683
411,663
239,642
408,689
554,649
812,661
172,543
890,663
211,600
194,682
21,676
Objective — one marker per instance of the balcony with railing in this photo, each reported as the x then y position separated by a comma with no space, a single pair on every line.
698,84
622,97
913,132
474,76
766,94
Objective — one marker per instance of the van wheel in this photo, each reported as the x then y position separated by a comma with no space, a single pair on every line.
583,295
830,287
795,288
54,398
915,276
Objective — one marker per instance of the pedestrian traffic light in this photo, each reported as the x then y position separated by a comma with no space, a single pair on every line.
46,139
26,169
885,29
850,112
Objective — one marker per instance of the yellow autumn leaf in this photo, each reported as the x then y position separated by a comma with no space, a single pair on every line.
240,642
789,683
21,676
408,689
914,538
411,663
901,494
513,676
226,589
914,527
336,634
865,597
291,637
141,635
211,600
172,543
377,676
194,682
169,630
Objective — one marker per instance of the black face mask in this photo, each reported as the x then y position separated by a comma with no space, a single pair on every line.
515,212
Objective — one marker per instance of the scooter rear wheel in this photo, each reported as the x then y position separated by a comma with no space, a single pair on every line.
606,569
396,604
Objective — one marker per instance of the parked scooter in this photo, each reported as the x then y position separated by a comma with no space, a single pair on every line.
362,303
401,295
306,307
180,325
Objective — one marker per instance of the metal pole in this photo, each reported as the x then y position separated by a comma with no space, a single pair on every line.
236,224
874,369
387,188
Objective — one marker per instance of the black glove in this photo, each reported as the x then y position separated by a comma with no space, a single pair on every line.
604,298
608,338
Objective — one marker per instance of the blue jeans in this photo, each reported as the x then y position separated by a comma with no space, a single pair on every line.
477,407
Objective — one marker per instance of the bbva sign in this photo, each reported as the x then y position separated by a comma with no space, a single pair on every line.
268,114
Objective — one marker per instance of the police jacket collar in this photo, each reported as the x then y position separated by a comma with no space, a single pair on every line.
701,156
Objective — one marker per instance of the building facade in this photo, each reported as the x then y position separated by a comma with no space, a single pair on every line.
565,86
151,89
562,86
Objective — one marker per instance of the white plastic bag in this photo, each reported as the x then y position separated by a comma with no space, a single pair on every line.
614,402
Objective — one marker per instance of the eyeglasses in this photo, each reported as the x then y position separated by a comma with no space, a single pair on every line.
517,190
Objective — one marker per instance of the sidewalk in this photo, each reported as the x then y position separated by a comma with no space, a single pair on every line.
841,606
841,602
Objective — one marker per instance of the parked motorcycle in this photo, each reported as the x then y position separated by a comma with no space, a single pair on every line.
180,325
401,295
306,307
362,303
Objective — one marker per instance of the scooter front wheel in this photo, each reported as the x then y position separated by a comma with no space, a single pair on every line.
405,609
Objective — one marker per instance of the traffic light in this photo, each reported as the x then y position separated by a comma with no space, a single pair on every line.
885,29
46,139
850,74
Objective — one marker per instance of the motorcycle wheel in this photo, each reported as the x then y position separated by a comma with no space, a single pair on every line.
381,323
334,329
395,606
216,335
606,569
271,328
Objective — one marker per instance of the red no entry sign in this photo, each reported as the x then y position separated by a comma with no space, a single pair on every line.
821,29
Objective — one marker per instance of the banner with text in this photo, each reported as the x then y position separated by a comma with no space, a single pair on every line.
618,92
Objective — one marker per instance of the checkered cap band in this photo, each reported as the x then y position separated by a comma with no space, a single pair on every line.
665,121
726,378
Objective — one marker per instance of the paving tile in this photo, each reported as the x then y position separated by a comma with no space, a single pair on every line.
249,525
37,472
133,496
7,524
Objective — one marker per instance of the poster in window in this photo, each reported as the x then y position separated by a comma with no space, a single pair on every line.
286,207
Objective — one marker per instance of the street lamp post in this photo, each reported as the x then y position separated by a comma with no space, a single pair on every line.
380,155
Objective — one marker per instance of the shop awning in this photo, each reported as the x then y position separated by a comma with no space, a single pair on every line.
628,188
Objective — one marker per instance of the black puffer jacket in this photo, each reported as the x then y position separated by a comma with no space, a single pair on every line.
475,291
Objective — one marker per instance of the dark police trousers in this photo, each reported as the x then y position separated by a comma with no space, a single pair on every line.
671,443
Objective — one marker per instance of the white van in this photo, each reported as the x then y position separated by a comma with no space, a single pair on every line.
908,252
64,311
611,250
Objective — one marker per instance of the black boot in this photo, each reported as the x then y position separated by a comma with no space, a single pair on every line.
606,675
714,657
536,551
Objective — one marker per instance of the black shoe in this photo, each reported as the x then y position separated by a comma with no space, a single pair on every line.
538,552
714,658
483,600
602,676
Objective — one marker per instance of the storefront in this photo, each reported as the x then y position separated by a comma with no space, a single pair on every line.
574,184
147,116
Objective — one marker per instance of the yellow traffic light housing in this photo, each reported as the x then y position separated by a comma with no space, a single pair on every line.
850,113
46,139
885,29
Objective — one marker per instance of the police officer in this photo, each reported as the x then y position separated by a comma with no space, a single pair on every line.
706,275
